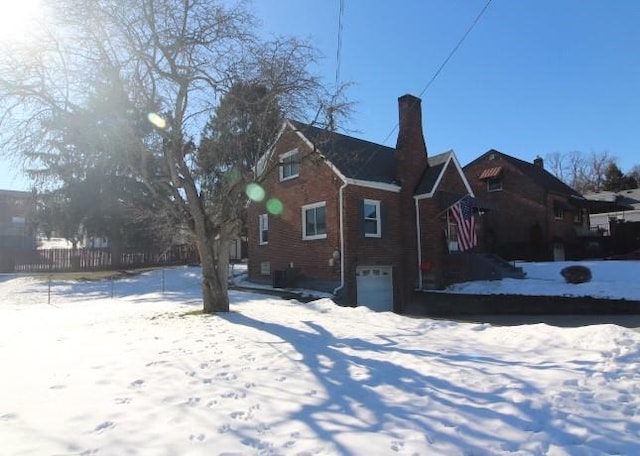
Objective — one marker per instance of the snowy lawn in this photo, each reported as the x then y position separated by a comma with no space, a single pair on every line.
143,374
611,279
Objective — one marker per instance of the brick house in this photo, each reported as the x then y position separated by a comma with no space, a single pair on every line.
16,231
534,215
358,219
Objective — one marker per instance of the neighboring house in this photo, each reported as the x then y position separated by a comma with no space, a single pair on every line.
16,231
607,207
362,220
533,216
617,216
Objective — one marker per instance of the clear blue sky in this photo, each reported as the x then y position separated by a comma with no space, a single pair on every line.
533,77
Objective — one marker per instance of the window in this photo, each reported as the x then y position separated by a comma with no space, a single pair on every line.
558,212
263,222
289,165
371,216
18,221
494,184
265,268
314,221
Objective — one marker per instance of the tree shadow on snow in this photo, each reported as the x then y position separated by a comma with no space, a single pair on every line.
441,410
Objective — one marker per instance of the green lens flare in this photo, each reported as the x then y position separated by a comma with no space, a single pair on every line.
255,192
275,206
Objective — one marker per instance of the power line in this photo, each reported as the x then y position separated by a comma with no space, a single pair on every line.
444,63
339,46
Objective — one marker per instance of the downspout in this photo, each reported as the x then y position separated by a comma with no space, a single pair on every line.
419,244
340,206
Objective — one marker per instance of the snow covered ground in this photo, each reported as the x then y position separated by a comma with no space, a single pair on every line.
611,279
123,369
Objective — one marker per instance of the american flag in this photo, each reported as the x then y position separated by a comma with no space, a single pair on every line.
462,213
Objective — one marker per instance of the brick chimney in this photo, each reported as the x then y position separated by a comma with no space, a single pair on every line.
411,151
538,161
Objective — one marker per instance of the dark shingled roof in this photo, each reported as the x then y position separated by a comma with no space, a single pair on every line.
535,173
354,158
431,174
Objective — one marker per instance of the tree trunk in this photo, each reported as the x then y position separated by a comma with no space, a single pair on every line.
215,297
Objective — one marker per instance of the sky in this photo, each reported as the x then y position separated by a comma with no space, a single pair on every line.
124,367
533,77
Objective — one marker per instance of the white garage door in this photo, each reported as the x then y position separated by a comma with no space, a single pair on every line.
375,287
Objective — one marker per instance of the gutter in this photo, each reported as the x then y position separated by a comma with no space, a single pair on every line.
418,244
340,205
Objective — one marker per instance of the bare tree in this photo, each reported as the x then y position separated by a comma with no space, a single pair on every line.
131,84
556,163
635,173
582,172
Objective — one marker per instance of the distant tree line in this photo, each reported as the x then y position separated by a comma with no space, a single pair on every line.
592,172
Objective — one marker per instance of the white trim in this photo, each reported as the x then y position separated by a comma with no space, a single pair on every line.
341,210
261,164
263,225
456,163
360,183
376,185
304,210
302,136
419,243
378,219
281,160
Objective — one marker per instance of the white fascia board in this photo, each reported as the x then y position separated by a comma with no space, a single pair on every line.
309,144
456,163
376,185
461,172
261,164
317,150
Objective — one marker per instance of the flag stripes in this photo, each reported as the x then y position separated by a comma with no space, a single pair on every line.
462,213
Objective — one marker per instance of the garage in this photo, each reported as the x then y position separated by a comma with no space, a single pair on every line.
375,287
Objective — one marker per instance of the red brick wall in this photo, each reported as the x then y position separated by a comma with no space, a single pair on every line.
315,183
521,204
366,251
433,223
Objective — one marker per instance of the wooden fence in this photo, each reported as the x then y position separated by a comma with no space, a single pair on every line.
71,260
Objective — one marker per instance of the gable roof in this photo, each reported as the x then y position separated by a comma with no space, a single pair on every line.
536,173
354,158
434,173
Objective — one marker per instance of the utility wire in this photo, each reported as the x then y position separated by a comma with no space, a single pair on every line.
339,47
444,63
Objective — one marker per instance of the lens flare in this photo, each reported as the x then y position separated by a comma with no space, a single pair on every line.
20,20
157,121
255,192
275,206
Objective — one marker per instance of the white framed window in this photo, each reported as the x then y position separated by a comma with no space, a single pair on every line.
265,268
289,165
314,221
371,214
494,184
18,221
263,223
